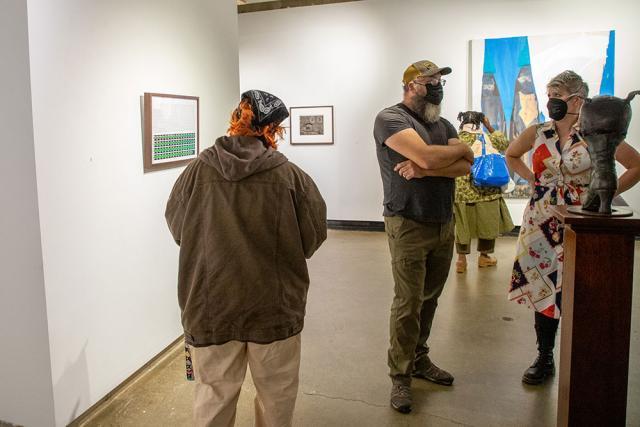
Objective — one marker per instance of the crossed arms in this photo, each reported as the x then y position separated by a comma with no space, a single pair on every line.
450,160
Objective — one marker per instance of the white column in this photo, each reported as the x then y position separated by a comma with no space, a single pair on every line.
26,392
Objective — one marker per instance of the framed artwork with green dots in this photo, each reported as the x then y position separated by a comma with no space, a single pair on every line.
171,130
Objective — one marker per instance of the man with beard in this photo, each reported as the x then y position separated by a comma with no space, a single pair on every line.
419,156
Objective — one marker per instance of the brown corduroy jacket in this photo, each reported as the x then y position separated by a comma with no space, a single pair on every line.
246,219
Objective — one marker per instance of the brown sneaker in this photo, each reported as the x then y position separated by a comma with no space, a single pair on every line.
427,370
486,261
401,395
461,266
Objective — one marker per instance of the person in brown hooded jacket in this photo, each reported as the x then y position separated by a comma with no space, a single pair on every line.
246,220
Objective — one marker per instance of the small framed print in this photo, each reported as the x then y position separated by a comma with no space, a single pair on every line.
311,125
171,130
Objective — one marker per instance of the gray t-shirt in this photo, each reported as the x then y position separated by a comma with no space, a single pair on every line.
428,199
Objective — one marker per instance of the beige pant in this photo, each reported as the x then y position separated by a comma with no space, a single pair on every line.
220,372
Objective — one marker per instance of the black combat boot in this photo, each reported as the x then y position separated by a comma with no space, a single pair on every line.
543,366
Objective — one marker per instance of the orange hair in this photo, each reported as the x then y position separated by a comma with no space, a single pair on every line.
240,124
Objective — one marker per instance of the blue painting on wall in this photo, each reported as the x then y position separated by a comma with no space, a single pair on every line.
509,77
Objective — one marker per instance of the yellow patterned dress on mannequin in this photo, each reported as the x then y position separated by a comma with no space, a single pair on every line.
480,212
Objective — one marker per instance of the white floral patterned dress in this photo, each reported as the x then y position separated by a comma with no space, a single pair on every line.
561,178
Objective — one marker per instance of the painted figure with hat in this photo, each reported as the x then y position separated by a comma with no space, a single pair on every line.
246,220
480,212
419,155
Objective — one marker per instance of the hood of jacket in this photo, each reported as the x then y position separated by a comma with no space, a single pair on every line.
237,157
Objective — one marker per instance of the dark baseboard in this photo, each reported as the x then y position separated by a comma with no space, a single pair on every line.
513,233
338,224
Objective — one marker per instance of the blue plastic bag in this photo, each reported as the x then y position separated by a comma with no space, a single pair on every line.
489,170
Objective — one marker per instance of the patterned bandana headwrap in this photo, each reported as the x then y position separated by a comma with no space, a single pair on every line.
267,108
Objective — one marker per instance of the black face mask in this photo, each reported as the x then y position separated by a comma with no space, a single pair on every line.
557,108
434,94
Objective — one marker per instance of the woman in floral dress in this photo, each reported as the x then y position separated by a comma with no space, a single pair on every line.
560,176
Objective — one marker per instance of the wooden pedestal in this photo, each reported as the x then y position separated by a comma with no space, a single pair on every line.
596,318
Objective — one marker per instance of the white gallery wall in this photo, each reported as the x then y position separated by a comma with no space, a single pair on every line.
352,56
109,265
25,372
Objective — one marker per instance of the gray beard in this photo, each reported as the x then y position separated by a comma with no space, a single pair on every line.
431,113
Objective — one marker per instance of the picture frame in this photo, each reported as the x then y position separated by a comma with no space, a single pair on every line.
311,125
171,130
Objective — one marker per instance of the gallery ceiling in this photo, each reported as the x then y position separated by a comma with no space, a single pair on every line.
245,6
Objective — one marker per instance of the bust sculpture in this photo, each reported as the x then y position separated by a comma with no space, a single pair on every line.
604,121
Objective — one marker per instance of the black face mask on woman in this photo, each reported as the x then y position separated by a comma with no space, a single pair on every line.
434,94
558,108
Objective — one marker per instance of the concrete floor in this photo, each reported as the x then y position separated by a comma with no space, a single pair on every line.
485,341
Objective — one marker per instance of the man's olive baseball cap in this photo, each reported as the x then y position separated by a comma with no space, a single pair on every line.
423,68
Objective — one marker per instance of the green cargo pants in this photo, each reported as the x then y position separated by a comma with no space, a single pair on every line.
420,260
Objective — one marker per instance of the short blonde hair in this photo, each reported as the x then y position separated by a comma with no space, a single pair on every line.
571,81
